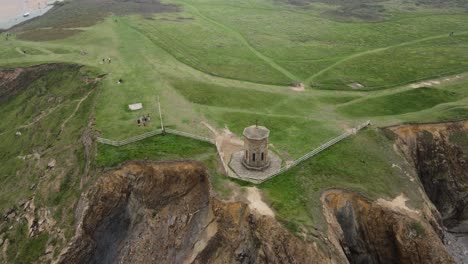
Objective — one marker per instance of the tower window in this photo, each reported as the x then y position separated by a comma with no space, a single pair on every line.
253,157
262,155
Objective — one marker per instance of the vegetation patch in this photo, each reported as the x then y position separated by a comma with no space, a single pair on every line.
167,147
334,100
9,53
31,51
400,65
43,122
362,163
47,34
84,13
418,228
291,136
22,248
399,103
245,99
207,46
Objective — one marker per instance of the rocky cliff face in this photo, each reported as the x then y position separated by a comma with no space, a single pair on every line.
163,213
382,231
440,157
439,153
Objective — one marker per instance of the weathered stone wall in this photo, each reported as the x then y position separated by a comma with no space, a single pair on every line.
256,147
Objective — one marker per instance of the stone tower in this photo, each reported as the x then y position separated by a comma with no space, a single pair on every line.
256,148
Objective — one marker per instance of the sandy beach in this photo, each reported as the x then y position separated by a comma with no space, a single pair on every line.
11,11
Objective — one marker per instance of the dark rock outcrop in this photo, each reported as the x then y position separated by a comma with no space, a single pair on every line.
439,153
377,232
162,212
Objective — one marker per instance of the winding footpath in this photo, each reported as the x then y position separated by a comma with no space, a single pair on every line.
244,41
356,55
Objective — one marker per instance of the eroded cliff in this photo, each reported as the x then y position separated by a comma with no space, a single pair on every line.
163,212
440,155
382,231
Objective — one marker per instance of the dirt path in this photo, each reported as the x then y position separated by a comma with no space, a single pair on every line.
359,54
226,144
212,129
36,119
62,127
40,117
244,41
430,83
256,203
416,85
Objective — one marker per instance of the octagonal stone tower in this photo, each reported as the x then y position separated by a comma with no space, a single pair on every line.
256,148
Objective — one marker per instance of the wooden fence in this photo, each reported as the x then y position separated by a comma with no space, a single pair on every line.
118,143
311,153
185,134
228,171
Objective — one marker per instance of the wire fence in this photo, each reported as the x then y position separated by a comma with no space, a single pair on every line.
185,134
228,171
311,153
118,143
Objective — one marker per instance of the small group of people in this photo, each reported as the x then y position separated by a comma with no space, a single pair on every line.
108,60
144,119
7,35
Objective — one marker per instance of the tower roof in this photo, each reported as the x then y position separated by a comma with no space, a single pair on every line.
256,132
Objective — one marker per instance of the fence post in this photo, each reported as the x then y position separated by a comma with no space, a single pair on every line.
160,116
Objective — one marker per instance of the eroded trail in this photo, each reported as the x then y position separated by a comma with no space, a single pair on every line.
244,41
359,54
64,123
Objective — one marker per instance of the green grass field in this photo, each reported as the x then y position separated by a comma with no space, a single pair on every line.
232,63
51,113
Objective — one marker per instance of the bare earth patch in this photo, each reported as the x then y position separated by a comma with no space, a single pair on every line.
356,85
398,204
227,142
430,83
256,203
298,87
